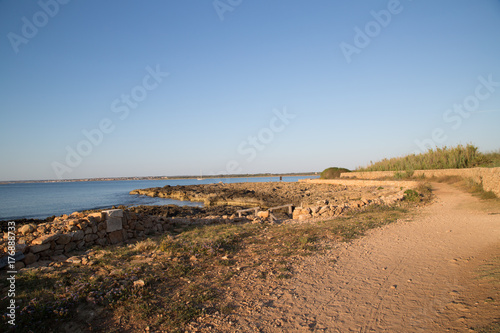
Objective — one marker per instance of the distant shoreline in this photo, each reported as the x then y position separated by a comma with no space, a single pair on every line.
158,178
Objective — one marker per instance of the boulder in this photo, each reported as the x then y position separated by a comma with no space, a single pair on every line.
59,247
64,239
27,228
21,248
263,214
30,258
115,237
41,229
90,238
73,222
70,247
301,213
77,235
83,224
98,217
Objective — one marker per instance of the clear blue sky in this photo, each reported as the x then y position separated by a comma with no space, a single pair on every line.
352,81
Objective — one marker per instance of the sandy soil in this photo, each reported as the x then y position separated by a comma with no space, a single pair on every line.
418,275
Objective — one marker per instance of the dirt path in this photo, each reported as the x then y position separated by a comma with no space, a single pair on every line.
418,275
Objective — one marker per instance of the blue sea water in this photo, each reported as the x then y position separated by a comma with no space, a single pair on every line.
41,200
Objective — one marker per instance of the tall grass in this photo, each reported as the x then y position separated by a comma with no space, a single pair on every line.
440,158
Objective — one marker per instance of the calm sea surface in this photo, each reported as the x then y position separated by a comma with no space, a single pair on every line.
41,200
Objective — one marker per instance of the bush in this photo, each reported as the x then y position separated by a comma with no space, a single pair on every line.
332,173
412,195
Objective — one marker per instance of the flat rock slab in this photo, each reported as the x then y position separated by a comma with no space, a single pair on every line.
45,239
114,224
111,213
4,261
39,248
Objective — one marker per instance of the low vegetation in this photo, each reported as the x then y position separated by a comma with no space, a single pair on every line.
165,282
440,158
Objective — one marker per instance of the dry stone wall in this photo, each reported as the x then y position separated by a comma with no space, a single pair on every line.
488,177
36,245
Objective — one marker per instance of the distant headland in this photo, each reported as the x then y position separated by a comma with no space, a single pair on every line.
102,179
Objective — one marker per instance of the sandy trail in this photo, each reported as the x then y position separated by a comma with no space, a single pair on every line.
418,275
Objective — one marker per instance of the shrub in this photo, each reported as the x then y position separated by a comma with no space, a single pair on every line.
412,195
332,173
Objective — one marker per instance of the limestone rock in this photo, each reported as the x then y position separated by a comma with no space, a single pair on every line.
21,248
90,238
70,247
78,235
115,237
30,258
39,248
27,228
263,214
74,260
64,239
98,217
102,241
19,265
112,213
114,224
58,258
139,283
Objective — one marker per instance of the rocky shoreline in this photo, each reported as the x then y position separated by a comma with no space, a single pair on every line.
41,244
271,194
